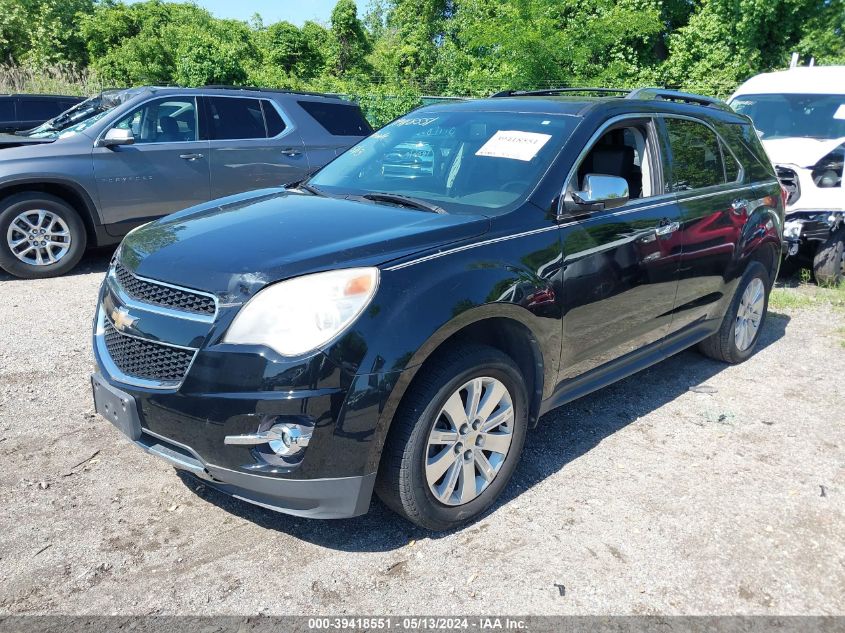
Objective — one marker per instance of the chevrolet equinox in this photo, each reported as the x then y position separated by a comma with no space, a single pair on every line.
398,322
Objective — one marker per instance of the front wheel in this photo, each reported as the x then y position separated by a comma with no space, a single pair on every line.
737,337
829,262
456,439
40,236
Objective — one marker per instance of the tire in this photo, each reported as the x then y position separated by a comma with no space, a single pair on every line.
724,344
829,261
402,482
56,215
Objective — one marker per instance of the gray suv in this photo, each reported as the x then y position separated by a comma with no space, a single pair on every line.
123,158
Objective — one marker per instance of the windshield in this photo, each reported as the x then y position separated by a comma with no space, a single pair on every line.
89,111
791,115
459,161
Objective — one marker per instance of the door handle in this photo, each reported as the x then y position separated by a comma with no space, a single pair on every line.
291,152
739,206
191,157
667,228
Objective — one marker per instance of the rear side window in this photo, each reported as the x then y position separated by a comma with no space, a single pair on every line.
696,156
7,110
744,142
338,119
39,109
731,166
275,124
231,118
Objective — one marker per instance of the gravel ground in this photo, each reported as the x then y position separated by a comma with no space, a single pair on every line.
648,497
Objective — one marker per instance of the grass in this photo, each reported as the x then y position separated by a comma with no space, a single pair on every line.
792,294
57,79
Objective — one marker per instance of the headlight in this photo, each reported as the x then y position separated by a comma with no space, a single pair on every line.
299,315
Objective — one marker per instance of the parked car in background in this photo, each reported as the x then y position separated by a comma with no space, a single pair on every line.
25,111
401,319
124,158
800,116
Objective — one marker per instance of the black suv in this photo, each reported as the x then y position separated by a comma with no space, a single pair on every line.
401,319
22,112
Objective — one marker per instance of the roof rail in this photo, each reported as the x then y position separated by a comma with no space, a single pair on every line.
276,90
675,95
555,91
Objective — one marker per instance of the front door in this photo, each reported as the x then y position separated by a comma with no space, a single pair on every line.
164,170
620,267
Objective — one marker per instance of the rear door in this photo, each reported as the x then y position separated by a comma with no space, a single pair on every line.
165,170
714,204
621,265
253,145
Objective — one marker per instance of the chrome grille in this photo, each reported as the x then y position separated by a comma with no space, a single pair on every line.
159,294
146,359
789,180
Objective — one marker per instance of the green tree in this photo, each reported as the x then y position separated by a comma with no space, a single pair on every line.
349,43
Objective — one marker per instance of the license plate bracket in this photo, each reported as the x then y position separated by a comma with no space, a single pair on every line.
116,406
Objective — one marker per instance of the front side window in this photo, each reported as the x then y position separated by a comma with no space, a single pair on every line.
459,160
623,151
166,120
235,118
696,156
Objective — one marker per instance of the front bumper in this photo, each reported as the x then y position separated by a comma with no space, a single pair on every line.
232,390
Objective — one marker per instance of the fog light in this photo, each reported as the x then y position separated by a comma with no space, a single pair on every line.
283,439
291,439
792,229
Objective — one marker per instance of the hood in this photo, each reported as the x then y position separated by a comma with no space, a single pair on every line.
237,245
801,151
14,140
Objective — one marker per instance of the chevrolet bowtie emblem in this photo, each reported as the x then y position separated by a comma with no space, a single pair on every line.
122,319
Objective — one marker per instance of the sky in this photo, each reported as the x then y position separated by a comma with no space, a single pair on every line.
296,11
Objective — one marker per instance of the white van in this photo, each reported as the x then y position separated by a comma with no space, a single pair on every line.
800,116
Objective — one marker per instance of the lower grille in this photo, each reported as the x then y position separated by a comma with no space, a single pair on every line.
789,181
146,359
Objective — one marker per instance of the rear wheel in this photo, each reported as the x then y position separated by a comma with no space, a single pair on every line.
829,261
40,236
737,336
456,439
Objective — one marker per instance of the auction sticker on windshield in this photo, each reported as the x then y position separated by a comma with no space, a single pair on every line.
514,144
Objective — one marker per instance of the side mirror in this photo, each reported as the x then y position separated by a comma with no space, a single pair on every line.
603,192
117,136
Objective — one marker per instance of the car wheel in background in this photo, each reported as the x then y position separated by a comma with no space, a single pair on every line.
456,438
737,337
40,236
829,262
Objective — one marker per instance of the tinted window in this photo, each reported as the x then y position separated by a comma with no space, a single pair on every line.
338,119
731,166
7,110
38,109
696,156
275,125
166,120
232,118
746,146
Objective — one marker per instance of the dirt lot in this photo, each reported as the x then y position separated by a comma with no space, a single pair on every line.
691,488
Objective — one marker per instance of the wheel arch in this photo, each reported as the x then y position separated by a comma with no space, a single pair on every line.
69,192
502,326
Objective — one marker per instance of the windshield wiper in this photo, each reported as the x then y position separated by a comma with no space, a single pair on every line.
404,201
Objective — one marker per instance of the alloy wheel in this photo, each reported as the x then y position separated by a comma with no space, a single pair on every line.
470,441
38,237
749,316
